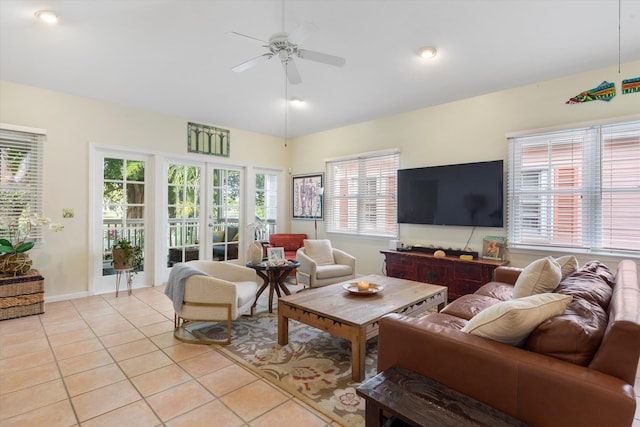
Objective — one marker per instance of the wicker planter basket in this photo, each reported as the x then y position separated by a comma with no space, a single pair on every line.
21,295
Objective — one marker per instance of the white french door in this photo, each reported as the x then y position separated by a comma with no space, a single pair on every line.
175,209
121,196
203,213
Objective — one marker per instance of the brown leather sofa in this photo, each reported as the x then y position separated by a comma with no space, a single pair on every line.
575,369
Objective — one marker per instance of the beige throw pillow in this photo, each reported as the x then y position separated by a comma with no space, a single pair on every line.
320,251
511,322
568,264
540,276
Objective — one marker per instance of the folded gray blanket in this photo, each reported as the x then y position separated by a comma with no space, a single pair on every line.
175,285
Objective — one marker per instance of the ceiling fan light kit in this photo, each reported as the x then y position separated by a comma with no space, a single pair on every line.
427,52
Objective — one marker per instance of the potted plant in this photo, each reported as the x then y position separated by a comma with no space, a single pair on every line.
126,256
14,258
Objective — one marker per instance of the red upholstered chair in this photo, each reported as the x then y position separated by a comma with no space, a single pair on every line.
291,243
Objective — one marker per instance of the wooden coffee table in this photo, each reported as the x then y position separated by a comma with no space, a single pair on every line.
355,317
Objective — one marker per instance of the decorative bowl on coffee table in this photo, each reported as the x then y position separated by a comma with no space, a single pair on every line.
353,288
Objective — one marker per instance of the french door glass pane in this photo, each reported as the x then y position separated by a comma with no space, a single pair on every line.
123,194
266,206
225,214
183,212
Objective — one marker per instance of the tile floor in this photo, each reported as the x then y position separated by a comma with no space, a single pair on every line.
105,361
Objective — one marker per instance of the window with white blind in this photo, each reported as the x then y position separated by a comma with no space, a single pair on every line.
21,161
360,195
577,189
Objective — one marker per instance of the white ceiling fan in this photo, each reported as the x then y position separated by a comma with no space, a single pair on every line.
286,47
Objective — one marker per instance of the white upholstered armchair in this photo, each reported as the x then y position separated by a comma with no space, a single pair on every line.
223,294
322,265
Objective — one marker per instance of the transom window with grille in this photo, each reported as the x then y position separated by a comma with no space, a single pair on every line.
21,158
360,195
576,189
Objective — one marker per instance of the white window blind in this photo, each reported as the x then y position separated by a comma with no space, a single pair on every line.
21,162
576,189
360,195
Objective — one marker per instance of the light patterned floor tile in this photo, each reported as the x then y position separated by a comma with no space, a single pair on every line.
138,412
104,399
59,414
93,379
132,349
203,364
145,363
288,414
184,351
202,416
227,379
179,400
84,362
161,379
244,403
24,378
28,399
77,348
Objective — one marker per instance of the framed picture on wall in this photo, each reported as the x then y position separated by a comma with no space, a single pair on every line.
307,196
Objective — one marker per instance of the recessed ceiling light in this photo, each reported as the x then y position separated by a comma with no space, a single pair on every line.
48,16
296,101
427,52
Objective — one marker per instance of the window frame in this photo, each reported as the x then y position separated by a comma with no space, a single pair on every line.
348,209
33,140
579,225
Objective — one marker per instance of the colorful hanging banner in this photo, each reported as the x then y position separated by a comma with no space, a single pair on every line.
604,92
631,85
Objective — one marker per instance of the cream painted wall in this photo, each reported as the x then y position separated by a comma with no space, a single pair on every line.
72,123
469,130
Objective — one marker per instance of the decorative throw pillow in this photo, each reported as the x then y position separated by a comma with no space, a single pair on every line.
511,322
217,236
540,276
320,251
568,265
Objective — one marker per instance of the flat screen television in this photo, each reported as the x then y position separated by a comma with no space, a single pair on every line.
469,194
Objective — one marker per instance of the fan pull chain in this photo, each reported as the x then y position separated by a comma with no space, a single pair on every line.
619,34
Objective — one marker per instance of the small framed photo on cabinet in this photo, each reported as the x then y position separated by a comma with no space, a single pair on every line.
493,248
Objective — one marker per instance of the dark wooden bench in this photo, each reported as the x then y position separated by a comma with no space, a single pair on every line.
398,397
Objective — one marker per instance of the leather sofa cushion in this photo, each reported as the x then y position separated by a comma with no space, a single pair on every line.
443,319
469,305
601,270
497,290
587,286
574,336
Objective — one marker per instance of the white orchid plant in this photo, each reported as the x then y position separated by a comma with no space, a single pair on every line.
19,229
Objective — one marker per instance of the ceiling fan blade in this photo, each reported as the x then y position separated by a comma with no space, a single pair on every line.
251,62
301,33
291,69
321,57
244,36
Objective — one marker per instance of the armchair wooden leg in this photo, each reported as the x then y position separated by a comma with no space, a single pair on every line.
192,336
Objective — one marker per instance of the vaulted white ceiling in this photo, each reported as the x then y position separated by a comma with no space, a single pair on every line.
175,57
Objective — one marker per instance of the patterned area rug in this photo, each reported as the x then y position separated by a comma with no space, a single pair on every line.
314,366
